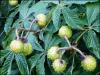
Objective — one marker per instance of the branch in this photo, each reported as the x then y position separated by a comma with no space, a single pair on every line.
72,47
79,51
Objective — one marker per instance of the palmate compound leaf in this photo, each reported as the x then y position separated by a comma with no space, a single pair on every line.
92,12
90,38
92,42
22,64
7,65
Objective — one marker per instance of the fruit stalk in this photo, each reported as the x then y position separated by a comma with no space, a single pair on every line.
72,47
65,48
67,41
79,51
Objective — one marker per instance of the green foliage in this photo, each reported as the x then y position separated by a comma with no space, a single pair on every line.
85,25
22,64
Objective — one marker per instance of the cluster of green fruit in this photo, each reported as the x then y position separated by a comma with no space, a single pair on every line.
59,65
54,54
18,46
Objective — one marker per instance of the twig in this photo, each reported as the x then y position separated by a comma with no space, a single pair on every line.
72,47
28,30
22,34
23,29
34,20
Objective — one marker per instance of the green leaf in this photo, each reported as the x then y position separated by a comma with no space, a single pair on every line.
92,42
40,69
55,41
32,61
72,19
16,24
24,7
96,26
50,40
22,64
7,64
39,7
50,27
47,38
56,16
9,21
4,53
49,15
33,39
92,11
7,40
26,24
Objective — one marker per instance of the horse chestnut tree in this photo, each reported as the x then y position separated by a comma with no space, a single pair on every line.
49,37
